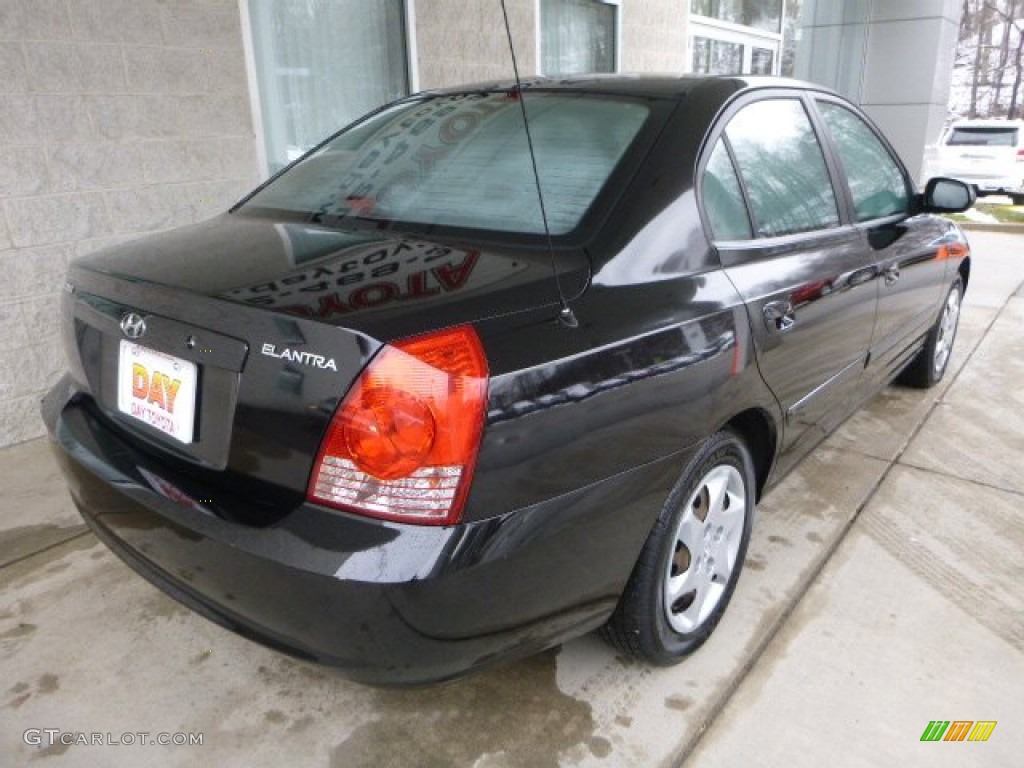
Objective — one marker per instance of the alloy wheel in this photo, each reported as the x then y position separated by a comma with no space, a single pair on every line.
706,545
947,332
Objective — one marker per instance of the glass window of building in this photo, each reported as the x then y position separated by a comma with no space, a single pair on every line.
733,37
719,57
320,65
578,36
765,15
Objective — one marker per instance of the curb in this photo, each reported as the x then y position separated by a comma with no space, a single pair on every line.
984,226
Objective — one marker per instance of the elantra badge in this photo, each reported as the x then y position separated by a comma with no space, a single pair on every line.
133,326
303,358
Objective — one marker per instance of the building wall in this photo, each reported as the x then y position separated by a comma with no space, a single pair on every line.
911,109
654,36
465,42
117,118
894,59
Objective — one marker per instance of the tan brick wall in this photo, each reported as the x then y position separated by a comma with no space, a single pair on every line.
465,42
654,36
117,118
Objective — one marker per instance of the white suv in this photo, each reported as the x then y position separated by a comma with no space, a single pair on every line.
989,154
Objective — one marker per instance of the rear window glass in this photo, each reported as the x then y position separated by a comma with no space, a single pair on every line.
984,137
463,161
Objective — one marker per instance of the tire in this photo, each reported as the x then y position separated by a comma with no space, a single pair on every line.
670,606
1017,199
928,368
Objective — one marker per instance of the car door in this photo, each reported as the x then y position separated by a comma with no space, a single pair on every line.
767,194
904,250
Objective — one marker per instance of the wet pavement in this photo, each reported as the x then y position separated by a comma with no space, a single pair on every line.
884,588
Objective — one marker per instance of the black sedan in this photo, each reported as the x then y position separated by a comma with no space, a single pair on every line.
411,410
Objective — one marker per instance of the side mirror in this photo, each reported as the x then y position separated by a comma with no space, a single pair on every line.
942,195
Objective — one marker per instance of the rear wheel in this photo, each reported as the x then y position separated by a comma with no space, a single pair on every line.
691,562
930,365
1017,199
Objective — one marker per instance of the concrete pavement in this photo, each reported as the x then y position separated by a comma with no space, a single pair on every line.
883,589
919,615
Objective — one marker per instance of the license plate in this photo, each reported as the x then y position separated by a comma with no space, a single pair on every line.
157,389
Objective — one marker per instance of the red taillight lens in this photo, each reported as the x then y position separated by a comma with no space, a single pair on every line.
1020,155
402,445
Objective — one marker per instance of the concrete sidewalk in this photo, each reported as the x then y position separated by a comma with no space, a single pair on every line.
919,615
883,589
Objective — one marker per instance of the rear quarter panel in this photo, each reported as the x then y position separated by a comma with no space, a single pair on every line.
662,357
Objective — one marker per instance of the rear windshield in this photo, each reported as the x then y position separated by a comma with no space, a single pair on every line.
462,161
984,137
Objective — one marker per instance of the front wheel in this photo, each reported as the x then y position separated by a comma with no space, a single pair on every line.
691,562
930,365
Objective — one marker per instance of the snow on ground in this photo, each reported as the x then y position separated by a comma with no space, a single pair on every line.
973,214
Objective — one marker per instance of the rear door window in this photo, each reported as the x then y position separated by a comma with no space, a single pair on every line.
876,179
783,169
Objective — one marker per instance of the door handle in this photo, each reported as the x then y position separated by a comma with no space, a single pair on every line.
779,315
891,274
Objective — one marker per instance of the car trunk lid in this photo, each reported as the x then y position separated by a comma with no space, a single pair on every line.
261,327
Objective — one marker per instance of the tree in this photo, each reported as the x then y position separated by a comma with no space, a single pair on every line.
987,71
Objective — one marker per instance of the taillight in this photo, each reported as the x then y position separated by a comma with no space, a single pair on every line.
403,443
1020,155
953,250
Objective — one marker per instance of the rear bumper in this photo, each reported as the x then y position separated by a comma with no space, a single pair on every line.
386,603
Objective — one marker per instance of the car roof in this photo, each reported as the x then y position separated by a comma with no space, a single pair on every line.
644,85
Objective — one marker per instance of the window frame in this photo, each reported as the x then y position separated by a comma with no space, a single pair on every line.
730,32
760,242
539,35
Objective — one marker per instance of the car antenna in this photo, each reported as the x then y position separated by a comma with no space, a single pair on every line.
565,315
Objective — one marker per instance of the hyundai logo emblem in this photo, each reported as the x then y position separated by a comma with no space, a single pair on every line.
133,325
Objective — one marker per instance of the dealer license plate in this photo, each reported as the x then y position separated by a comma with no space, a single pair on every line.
157,389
